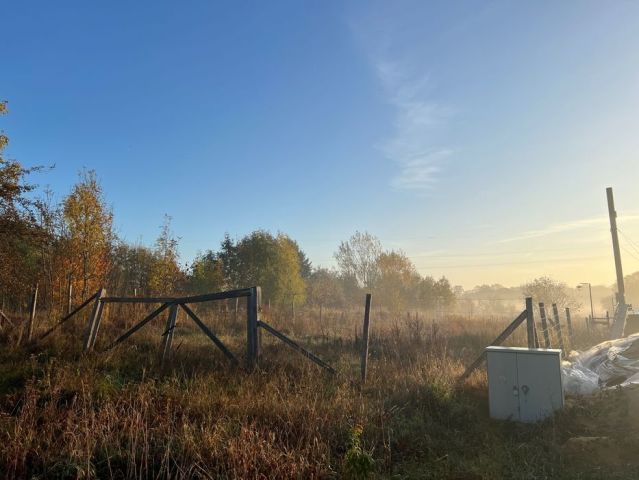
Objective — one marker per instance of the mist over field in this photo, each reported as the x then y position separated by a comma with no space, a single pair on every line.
319,240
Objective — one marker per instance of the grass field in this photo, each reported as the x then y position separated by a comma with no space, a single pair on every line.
117,415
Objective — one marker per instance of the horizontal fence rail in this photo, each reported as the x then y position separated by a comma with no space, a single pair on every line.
207,297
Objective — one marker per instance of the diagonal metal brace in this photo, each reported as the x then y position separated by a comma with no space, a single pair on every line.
138,326
209,334
69,315
498,341
296,346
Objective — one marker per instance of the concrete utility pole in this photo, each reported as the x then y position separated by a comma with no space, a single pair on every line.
621,293
622,309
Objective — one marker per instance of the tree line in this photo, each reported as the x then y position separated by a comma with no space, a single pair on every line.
73,243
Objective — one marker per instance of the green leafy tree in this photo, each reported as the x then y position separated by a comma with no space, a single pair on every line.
444,292
265,260
207,273
306,267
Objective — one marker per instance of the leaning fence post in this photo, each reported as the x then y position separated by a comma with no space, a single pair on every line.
544,325
367,313
98,318
32,312
252,314
168,333
558,328
93,320
530,322
569,323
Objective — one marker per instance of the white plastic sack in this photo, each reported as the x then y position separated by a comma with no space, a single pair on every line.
578,380
609,364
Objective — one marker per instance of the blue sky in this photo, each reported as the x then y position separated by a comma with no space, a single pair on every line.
478,137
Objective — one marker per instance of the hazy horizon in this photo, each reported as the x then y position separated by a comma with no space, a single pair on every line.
477,137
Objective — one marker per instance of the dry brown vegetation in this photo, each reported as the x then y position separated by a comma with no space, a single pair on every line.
116,415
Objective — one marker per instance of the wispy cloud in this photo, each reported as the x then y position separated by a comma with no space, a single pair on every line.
411,146
566,227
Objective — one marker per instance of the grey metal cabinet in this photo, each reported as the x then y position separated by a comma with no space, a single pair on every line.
524,384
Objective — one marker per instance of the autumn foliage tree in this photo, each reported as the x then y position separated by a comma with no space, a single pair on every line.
326,288
88,233
20,234
166,276
365,267
131,270
548,291
50,243
398,280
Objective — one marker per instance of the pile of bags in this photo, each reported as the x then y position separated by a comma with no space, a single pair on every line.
614,363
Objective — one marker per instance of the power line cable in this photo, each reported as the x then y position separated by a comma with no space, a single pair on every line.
634,246
629,253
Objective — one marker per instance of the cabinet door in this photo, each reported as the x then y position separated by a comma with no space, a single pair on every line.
502,385
540,390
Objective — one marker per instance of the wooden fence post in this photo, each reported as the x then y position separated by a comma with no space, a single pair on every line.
69,293
544,325
32,312
530,322
252,317
367,313
94,319
98,318
558,328
168,334
569,323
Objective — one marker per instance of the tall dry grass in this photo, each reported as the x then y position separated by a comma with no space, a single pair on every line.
117,415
